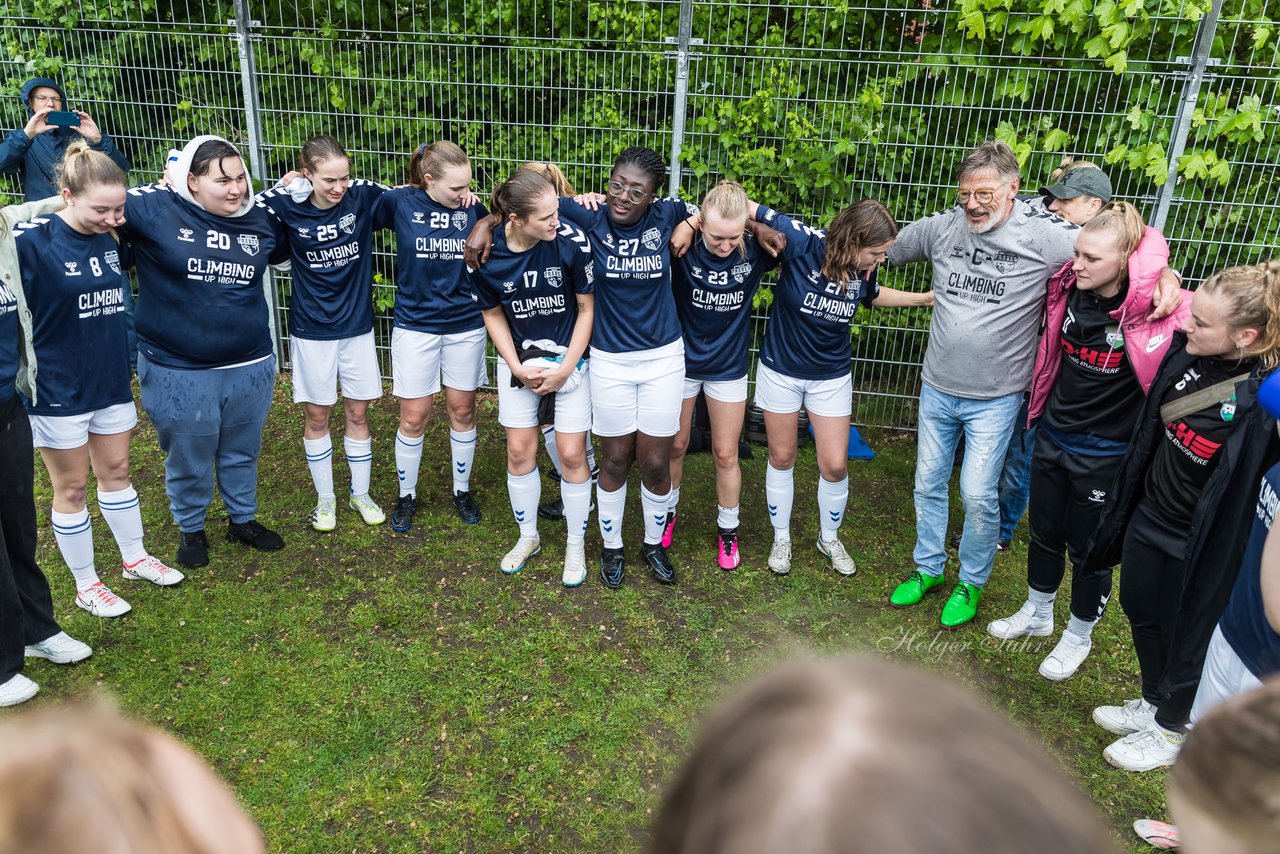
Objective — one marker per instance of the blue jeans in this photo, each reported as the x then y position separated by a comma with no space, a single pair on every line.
207,419
985,425
1015,480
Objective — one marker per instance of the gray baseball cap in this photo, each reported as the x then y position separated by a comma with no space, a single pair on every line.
1081,182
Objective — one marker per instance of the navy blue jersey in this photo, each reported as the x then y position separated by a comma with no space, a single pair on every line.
1244,623
9,342
713,301
536,288
332,261
75,291
807,336
635,309
432,294
200,297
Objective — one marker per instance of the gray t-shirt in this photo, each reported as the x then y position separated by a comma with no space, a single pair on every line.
989,292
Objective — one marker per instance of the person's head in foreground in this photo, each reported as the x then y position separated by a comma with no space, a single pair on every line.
1224,790
83,778
859,755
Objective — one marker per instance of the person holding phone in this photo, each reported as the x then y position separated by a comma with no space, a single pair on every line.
33,152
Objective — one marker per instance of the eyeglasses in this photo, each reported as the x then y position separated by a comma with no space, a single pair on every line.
52,99
631,194
984,196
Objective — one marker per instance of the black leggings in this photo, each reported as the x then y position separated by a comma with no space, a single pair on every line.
1151,580
1067,495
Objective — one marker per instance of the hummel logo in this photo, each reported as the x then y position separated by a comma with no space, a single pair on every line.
835,517
519,515
659,519
607,527
773,509
1156,342
462,468
1098,496
400,473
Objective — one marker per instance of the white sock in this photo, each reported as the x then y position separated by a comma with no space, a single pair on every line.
727,517
360,460
124,517
553,453
525,491
1043,603
609,509
75,541
1082,629
408,459
779,492
320,461
832,499
655,514
591,454
673,500
577,507
464,454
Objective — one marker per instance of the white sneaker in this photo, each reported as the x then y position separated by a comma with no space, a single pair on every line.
1066,657
324,517
1133,716
575,566
151,569
368,509
17,690
525,548
1145,750
62,648
98,600
780,557
840,560
1022,624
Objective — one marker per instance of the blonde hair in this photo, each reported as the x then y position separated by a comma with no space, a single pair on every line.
554,176
1068,165
1121,219
1252,299
728,201
82,168
433,159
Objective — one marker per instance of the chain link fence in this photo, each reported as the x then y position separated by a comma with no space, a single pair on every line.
811,105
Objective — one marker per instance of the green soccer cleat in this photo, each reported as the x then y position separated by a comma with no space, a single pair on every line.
961,606
911,591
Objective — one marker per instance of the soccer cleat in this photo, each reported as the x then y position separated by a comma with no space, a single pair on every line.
402,516
193,549
656,556
368,509
961,606
61,648
1130,717
18,689
612,568
525,548
575,566
98,600
1066,658
1145,750
552,510
1023,624
911,591
727,556
780,557
1158,834
253,533
840,560
324,516
466,507
151,569
669,531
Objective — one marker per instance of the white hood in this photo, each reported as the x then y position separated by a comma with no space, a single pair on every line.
179,171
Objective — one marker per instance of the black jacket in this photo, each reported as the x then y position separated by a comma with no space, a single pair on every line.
1223,518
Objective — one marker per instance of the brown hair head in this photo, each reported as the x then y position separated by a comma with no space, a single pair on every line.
861,224
520,193
318,149
433,160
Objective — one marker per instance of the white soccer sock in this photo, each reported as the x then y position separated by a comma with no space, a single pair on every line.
591,454
525,491
673,500
320,461
1082,629
75,541
408,459
553,452
1043,603
727,517
360,460
655,514
609,509
779,492
464,454
577,507
832,499
124,518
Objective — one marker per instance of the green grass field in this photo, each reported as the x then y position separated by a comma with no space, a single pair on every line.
370,691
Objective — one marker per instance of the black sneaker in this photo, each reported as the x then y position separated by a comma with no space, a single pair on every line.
553,510
1004,545
954,542
252,533
466,507
656,556
612,568
193,549
402,516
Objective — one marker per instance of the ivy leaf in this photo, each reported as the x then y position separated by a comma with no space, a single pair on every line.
1117,62
974,25
1056,140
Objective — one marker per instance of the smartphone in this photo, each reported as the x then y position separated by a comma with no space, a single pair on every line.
63,118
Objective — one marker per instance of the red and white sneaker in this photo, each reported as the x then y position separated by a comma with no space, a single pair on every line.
1158,833
669,532
727,555
98,600
151,569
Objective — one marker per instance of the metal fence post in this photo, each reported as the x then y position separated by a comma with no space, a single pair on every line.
1199,60
682,57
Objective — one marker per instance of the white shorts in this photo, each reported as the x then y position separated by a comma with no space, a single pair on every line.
725,391
518,407
1224,676
420,361
63,432
319,365
630,394
782,395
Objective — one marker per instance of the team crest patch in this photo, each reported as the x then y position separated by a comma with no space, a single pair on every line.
1228,410
249,243
554,276
652,239
1115,338
1005,261
113,260
740,272
347,223
460,220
